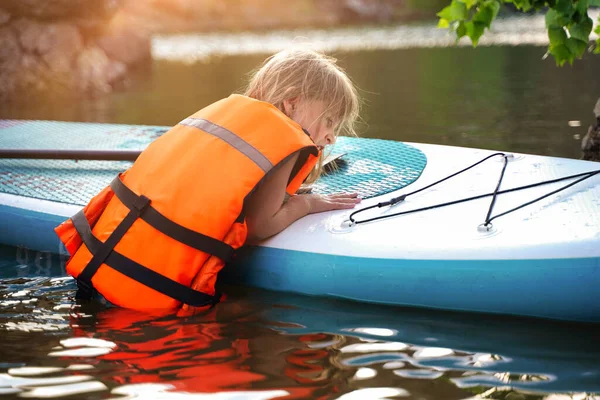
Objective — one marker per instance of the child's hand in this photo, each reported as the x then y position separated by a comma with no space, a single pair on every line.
318,203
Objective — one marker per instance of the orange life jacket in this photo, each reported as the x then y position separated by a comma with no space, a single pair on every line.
176,216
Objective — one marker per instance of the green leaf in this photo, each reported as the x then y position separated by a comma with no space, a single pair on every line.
582,30
582,6
475,31
564,7
443,23
561,53
470,3
595,3
457,11
576,47
524,5
486,13
555,20
495,5
557,36
461,30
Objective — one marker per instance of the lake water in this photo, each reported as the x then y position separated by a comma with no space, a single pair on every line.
262,345
415,87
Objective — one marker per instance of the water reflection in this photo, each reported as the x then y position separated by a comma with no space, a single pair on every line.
263,345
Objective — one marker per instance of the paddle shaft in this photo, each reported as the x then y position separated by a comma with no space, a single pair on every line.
54,154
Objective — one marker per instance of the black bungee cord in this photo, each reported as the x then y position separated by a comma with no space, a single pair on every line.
489,218
487,224
585,175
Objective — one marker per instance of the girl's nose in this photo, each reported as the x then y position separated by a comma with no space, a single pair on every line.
330,138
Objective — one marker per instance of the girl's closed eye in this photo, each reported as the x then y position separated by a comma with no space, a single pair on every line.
329,122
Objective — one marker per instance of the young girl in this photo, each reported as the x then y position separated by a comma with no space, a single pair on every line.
313,91
160,233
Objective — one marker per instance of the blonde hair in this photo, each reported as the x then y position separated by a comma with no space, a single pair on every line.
307,74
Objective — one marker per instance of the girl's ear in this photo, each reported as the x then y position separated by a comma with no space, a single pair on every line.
289,105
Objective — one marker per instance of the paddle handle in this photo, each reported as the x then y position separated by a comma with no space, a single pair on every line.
55,154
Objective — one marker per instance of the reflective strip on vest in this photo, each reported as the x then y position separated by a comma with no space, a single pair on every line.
234,140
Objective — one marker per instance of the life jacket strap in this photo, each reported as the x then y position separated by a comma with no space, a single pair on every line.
104,249
178,232
104,253
131,269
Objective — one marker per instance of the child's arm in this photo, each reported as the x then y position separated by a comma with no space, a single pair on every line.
267,214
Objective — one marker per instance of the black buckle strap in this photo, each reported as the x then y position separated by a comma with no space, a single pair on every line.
85,289
135,271
104,249
180,233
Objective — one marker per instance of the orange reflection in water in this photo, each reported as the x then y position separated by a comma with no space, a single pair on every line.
207,353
